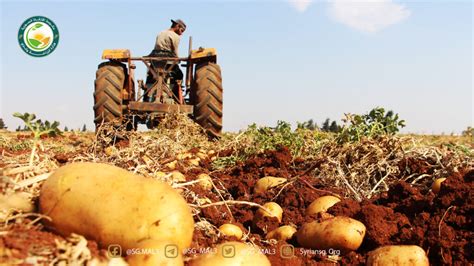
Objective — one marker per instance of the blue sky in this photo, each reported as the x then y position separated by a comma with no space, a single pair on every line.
281,60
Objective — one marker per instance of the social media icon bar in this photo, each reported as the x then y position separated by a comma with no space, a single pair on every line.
287,251
114,251
171,251
228,251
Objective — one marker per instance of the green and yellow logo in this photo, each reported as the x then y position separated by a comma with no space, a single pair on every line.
38,36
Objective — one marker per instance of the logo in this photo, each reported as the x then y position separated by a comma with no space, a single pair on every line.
171,251
228,251
114,251
287,251
38,36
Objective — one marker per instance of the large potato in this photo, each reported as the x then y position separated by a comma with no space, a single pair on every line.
321,204
402,255
113,206
232,253
339,233
155,253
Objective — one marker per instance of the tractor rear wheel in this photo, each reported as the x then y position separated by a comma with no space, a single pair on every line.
109,82
207,98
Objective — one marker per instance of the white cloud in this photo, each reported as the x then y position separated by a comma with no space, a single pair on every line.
367,16
300,5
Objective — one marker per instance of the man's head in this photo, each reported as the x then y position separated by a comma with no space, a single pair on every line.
178,26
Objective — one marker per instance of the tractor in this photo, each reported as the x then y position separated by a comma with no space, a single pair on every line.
117,101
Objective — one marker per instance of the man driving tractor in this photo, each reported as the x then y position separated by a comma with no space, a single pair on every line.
122,102
166,45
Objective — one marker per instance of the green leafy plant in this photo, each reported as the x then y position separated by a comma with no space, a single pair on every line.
38,128
376,123
270,138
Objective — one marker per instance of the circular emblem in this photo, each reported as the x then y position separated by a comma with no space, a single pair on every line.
38,36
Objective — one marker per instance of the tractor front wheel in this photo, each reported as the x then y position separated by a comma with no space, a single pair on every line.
207,97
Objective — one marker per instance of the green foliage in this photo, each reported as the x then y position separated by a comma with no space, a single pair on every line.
2,124
310,124
37,126
469,132
39,129
270,138
223,162
301,142
373,124
460,148
334,127
327,126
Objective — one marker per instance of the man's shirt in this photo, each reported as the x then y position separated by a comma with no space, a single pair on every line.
168,40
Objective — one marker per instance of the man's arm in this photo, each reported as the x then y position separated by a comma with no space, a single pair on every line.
175,42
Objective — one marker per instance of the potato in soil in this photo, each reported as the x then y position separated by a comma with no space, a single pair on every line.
339,233
231,230
113,206
321,204
282,233
274,210
398,255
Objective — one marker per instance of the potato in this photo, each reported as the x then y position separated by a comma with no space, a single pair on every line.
342,233
274,211
265,183
282,233
231,230
18,201
151,252
161,175
182,156
194,161
321,204
177,176
110,150
114,206
398,255
205,181
436,187
232,253
201,155
171,165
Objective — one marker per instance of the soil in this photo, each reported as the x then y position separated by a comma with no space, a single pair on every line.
405,215
441,224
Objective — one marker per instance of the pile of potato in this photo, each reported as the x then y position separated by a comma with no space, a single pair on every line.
191,159
115,207
338,233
